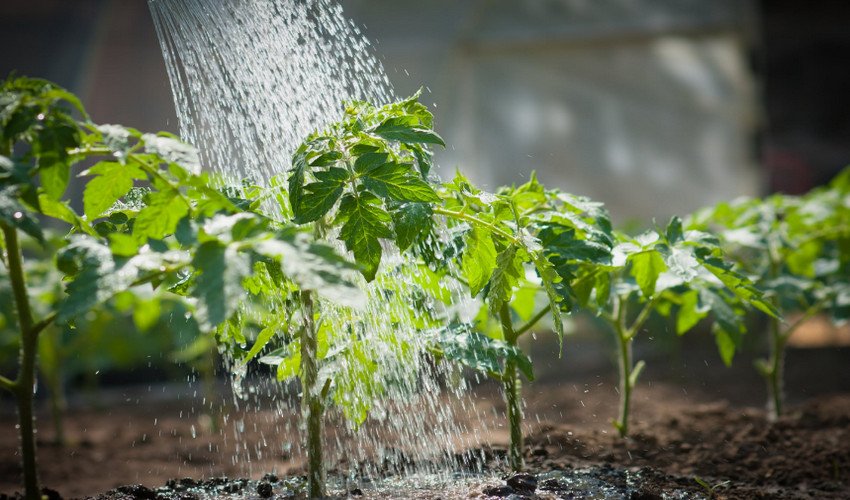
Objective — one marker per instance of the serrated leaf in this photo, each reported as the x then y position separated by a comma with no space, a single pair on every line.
369,160
319,197
460,344
364,223
94,276
646,267
14,214
411,221
506,276
402,129
398,182
218,286
479,258
112,181
161,215
549,278
317,267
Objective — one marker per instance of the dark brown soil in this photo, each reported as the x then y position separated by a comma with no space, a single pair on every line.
681,433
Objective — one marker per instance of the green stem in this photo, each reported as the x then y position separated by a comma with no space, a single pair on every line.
624,344
533,321
625,335
777,369
311,402
7,384
23,386
480,222
512,388
776,362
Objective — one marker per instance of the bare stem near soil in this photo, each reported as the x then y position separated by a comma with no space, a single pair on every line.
513,398
311,402
22,387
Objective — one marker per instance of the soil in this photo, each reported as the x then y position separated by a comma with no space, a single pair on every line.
689,439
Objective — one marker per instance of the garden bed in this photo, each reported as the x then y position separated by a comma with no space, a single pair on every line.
682,431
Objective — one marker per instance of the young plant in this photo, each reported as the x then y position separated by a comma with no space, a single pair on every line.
655,272
504,255
795,248
175,236
363,180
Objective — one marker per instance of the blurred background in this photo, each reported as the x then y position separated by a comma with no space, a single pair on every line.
654,107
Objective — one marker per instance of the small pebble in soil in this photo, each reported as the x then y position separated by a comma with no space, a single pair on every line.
523,483
138,491
264,489
498,491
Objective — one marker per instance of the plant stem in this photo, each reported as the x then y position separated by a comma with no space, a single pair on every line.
625,363
775,373
23,386
777,369
513,387
533,321
475,220
311,402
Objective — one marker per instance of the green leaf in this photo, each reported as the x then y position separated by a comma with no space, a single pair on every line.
160,217
113,180
54,179
411,221
690,313
263,339
319,197
505,277
94,276
549,278
398,182
636,371
405,129
295,182
61,210
364,223
458,343
146,313
218,285
726,345
368,161
317,267
646,267
674,231
14,214
479,258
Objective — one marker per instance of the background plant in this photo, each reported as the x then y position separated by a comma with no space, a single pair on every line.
669,271
795,248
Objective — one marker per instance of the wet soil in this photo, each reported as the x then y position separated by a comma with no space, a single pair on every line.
689,439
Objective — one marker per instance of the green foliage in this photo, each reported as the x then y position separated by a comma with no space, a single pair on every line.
367,176
796,249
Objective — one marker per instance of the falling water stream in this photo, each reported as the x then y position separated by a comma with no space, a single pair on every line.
250,80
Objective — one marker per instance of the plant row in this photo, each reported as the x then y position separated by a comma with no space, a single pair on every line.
292,270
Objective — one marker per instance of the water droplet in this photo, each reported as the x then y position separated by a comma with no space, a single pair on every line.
18,215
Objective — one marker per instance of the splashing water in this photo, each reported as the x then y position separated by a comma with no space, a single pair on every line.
250,80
